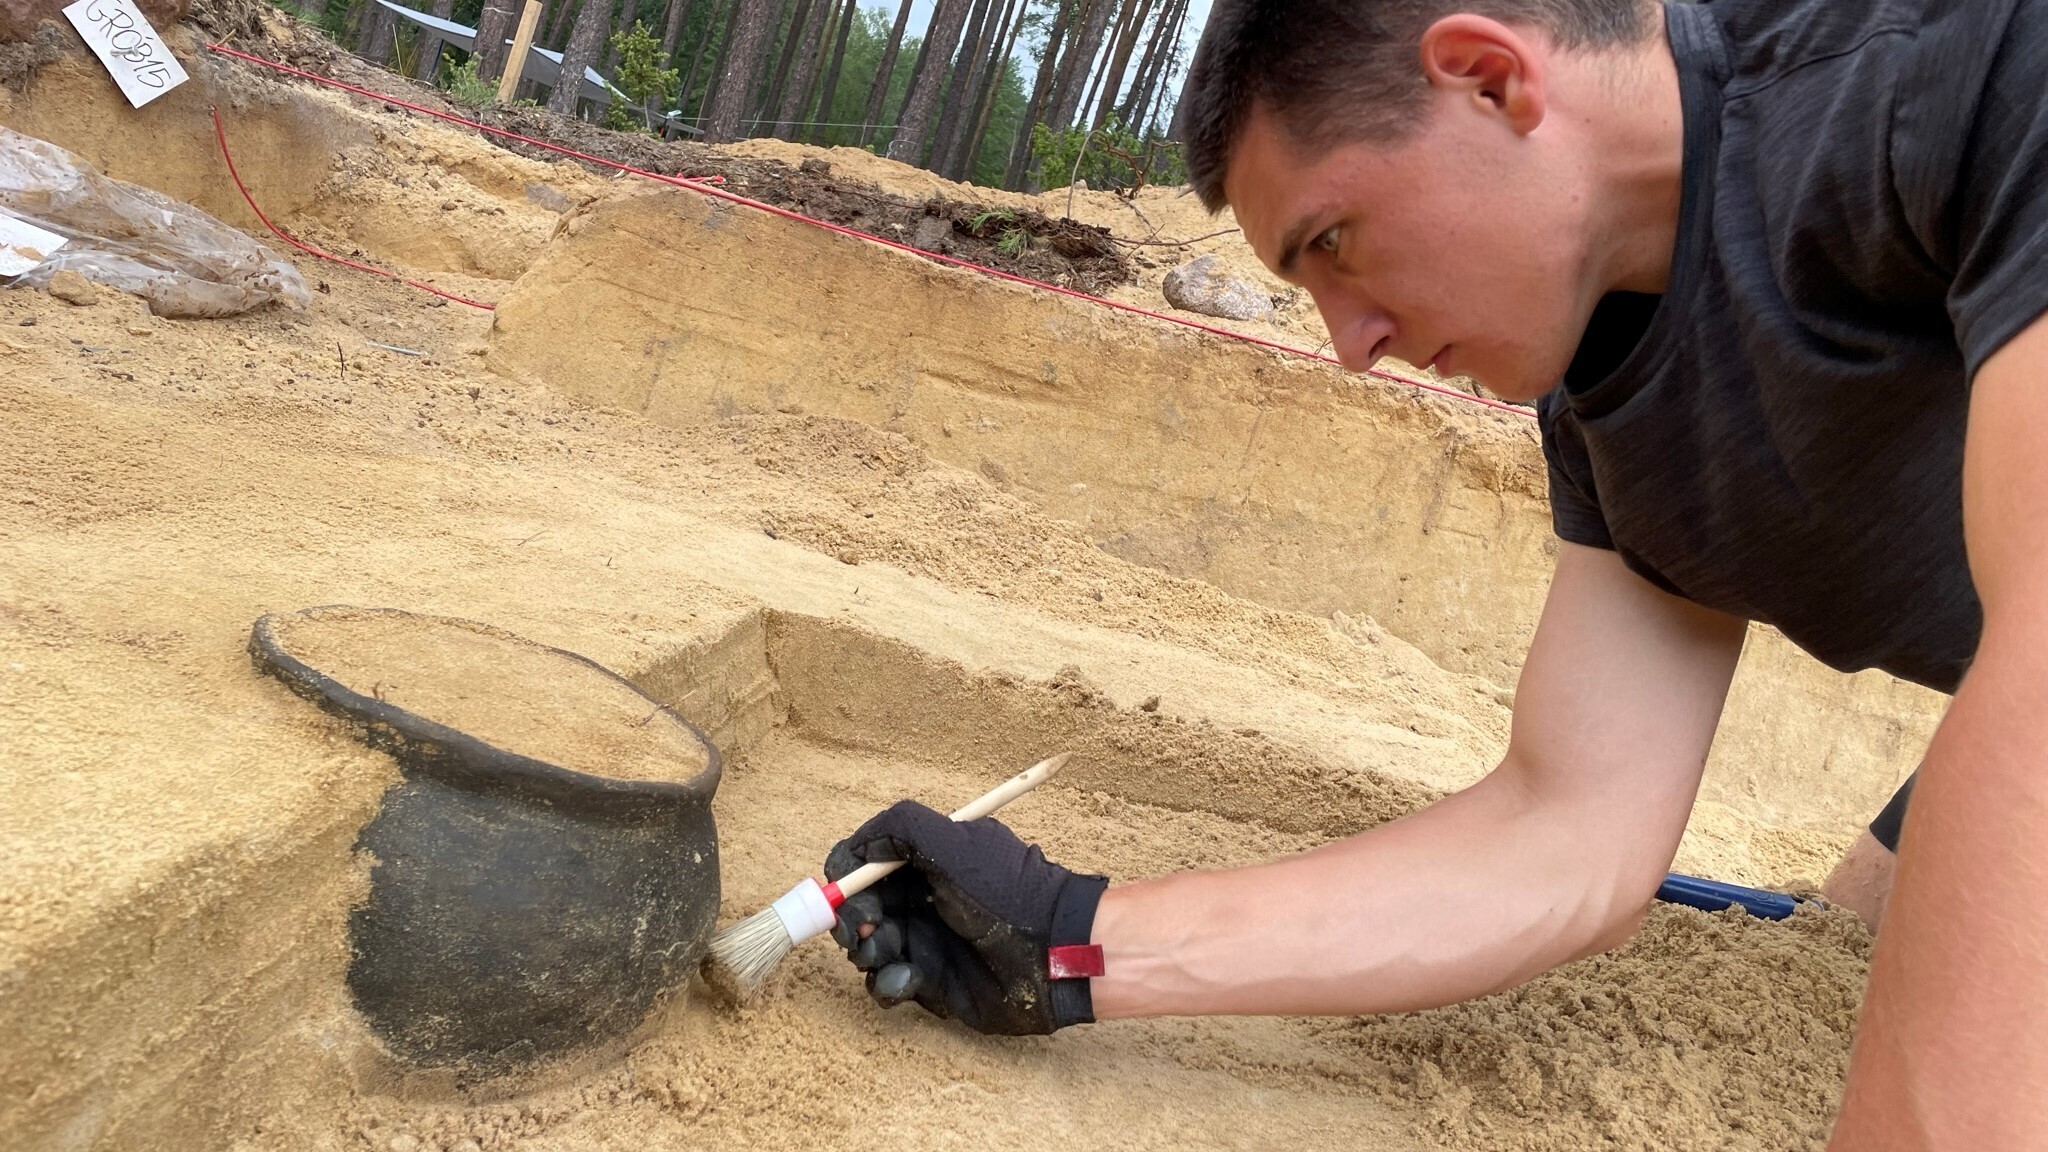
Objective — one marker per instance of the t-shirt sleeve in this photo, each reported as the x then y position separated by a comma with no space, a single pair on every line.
1574,505
1993,231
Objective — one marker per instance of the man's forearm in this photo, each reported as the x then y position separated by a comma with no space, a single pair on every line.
1474,894
1951,1050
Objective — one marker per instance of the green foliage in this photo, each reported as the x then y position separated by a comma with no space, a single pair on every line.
1014,241
1109,157
642,78
463,86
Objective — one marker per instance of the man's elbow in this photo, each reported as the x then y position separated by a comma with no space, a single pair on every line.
1610,900
1617,929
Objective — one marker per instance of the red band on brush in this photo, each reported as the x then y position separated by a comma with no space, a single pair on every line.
833,895
1074,961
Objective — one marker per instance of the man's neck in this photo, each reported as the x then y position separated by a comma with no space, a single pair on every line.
1637,165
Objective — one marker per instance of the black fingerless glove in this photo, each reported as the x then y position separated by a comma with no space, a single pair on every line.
964,930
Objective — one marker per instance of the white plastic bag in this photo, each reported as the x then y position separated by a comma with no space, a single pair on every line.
181,260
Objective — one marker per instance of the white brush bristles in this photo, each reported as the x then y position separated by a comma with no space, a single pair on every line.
744,954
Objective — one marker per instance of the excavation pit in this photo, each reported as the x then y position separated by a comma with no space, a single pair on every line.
880,527
1705,1024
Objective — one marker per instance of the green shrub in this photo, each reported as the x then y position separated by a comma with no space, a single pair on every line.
644,81
1109,157
463,86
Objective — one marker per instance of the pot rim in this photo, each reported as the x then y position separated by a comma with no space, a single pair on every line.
463,760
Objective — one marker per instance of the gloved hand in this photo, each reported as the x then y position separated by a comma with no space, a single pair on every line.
963,930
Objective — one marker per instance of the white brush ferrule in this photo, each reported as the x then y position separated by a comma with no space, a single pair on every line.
805,911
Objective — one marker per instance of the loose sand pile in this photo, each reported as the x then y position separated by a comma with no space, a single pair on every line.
176,849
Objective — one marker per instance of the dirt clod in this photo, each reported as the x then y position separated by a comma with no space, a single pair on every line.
74,289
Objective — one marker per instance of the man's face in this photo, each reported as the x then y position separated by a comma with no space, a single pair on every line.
1460,248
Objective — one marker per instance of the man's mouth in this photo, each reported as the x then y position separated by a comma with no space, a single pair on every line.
1436,362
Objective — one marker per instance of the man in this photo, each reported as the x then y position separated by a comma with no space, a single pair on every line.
1789,259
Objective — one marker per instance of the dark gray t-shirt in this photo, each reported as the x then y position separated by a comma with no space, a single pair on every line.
1864,222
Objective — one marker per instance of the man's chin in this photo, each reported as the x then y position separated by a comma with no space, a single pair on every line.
1513,387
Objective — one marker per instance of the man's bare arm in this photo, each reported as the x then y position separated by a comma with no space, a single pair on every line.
1554,855
1953,1048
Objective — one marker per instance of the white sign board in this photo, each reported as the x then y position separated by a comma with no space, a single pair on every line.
124,41
23,245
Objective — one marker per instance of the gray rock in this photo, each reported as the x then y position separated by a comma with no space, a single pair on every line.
934,234
1204,285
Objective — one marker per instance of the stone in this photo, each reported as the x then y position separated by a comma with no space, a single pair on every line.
934,234
1205,285
18,18
70,287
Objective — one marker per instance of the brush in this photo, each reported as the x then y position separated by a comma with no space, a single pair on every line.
744,954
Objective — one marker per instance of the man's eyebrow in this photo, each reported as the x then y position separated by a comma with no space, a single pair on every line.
1291,244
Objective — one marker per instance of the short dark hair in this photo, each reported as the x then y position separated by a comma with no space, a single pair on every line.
1337,71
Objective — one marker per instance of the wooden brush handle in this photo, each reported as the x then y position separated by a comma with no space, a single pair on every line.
864,877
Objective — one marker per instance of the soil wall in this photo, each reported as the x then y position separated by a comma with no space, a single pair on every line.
1279,479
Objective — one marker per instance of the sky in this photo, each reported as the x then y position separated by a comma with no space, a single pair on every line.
921,17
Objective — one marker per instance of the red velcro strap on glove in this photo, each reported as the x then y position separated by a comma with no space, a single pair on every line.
1074,961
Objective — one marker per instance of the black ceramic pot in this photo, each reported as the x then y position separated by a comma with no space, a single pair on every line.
518,910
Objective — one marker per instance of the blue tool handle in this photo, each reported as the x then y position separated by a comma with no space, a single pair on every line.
1713,895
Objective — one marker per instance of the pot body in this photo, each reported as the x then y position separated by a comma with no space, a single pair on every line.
518,910
504,928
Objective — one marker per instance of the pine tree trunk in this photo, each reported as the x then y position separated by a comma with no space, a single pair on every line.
672,21
493,28
1120,59
1063,70
959,84
1160,85
847,15
1141,88
913,129
765,114
749,44
1178,129
1169,49
430,45
712,41
1096,75
586,45
878,92
789,111
1080,65
1020,148
556,22
374,35
988,72
991,90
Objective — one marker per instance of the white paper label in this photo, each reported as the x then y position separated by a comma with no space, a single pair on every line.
23,245
124,41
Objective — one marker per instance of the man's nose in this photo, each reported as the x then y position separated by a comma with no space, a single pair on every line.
1359,334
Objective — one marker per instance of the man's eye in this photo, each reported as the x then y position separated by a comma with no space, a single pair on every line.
1327,241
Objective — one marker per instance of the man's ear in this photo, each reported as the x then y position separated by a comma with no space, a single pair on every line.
1489,63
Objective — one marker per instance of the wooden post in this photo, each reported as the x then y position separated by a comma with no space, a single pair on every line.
522,46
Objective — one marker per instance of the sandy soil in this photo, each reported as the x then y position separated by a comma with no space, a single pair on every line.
1707,1032
176,865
